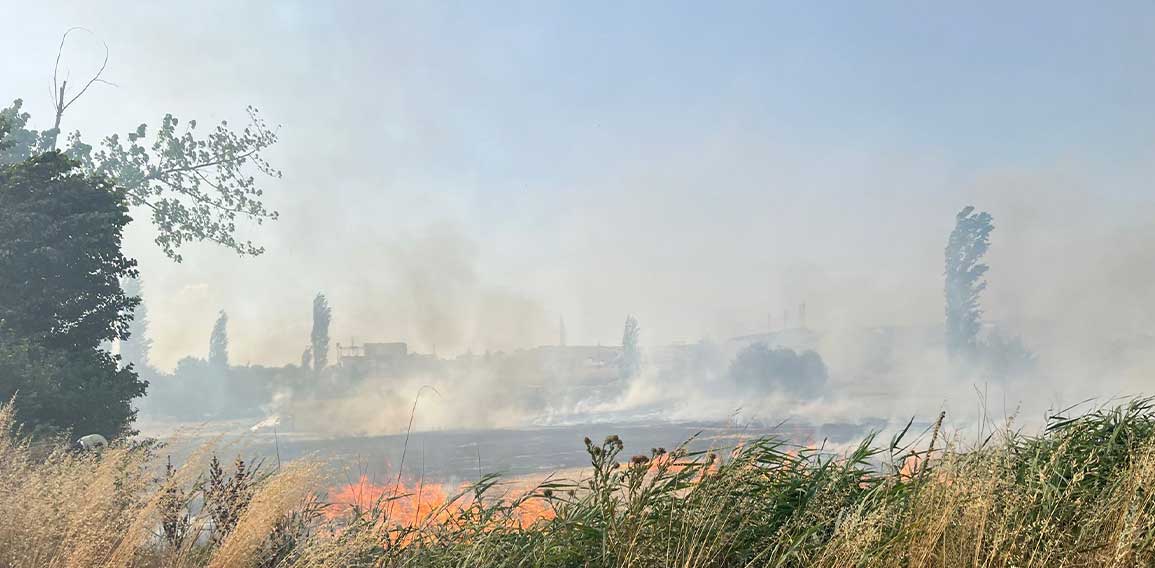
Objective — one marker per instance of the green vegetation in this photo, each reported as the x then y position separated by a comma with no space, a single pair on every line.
761,369
965,282
60,297
1076,494
319,338
64,205
219,343
194,187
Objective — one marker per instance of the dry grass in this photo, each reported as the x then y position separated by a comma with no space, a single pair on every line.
1078,494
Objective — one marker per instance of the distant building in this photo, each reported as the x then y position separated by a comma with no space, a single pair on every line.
375,359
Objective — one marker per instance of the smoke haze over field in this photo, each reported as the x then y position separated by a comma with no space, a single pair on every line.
460,177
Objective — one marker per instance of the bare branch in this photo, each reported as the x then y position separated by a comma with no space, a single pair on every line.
94,79
59,89
56,68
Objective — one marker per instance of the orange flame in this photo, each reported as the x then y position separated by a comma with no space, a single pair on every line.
415,505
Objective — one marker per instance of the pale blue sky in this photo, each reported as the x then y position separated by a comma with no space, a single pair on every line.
698,165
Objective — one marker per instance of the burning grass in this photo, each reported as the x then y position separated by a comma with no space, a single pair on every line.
1077,494
401,507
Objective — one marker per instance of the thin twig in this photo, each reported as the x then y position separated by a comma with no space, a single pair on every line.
58,88
405,447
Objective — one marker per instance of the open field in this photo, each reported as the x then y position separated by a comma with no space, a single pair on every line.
455,455
1075,494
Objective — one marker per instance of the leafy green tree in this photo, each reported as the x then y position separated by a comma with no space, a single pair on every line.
60,236
631,359
319,338
964,273
195,185
219,342
63,206
83,391
60,296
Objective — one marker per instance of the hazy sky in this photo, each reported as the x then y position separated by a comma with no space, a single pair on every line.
462,175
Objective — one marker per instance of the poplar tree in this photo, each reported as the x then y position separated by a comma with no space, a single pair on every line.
319,338
964,280
219,342
631,355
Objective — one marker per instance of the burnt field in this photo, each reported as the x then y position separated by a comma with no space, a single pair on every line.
463,455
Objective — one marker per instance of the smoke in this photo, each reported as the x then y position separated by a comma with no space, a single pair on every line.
1070,279
467,224
1071,273
432,285
449,308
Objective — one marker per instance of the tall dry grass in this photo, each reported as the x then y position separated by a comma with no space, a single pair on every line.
1078,493
59,508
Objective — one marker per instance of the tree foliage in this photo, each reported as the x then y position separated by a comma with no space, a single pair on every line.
1005,357
219,342
60,235
196,186
762,369
60,296
63,208
965,283
319,338
83,391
